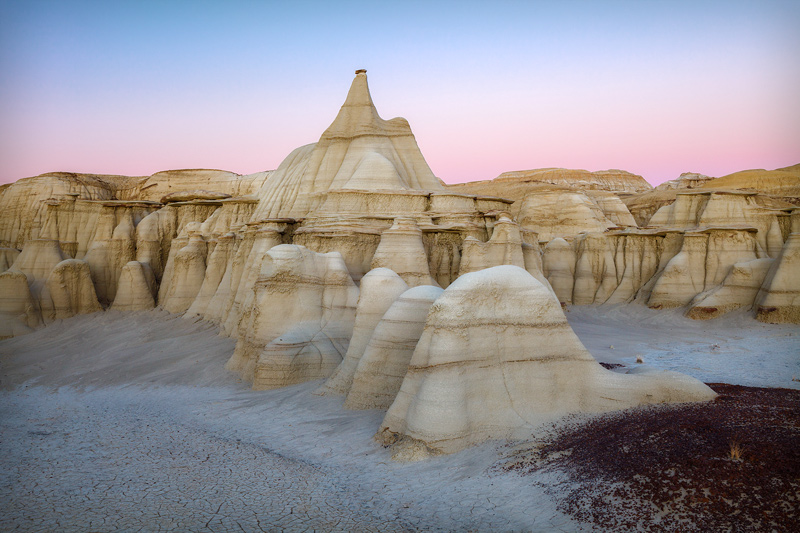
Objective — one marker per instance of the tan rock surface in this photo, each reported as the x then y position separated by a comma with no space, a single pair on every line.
23,206
701,209
216,266
504,247
778,188
37,259
704,260
113,246
687,180
199,194
68,291
183,281
402,251
515,182
558,265
167,182
7,258
136,289
19,312
782,182
562,214
778,301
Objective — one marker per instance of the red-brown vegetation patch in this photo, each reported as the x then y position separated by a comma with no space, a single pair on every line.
732,464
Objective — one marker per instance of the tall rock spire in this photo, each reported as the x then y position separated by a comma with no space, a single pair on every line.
358,151
358,115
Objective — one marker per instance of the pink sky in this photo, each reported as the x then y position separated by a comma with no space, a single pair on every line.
134,88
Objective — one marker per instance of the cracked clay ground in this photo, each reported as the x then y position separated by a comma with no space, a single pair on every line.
129,422
115,422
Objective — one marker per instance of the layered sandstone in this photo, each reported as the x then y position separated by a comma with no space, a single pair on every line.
296,324
497,358
687,180
384,363
379,289
778,300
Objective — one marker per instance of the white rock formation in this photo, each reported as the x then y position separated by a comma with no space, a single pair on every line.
401,250
384,364
379,289
497,359
359,150
738,289
298,324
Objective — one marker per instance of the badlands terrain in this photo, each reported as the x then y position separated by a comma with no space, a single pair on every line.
347,343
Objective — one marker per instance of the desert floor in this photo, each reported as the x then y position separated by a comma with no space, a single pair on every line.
129,422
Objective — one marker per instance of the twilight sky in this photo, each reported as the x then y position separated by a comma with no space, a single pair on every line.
655,88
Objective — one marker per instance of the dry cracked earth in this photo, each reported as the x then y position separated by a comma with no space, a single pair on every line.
127,469
128,422
118,433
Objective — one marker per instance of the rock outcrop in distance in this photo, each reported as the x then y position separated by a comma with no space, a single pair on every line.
352,264
687,180
778,188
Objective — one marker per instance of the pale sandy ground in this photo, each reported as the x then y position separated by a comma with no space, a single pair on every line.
128,422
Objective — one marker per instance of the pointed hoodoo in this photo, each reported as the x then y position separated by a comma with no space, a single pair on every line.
359,151
358,115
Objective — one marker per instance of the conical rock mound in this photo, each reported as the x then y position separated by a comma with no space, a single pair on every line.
497,358
359,150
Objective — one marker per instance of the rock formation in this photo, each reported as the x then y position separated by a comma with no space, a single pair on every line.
562,214
687,180
297,323
778,301
136,288
497,359
384,363
607,180
68,291
379,290
359,151
778,188
739,289
402,251
19,312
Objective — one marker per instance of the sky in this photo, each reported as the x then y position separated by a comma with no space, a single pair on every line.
655,88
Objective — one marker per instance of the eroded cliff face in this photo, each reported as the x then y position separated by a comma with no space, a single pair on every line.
352,263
